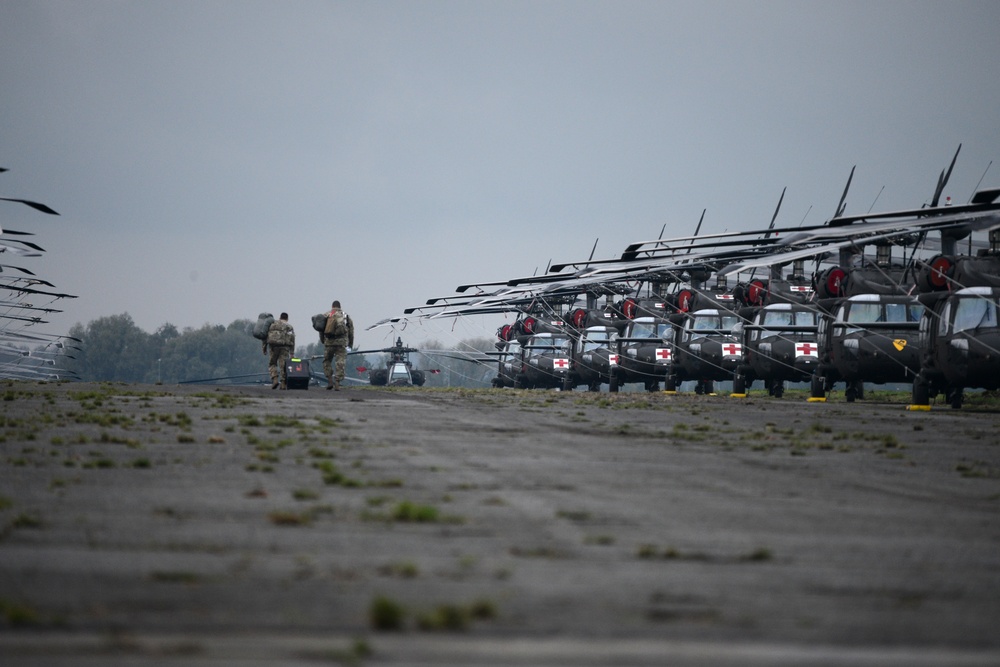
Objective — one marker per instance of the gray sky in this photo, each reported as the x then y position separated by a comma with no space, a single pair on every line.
215,159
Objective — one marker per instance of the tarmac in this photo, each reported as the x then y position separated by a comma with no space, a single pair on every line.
197,525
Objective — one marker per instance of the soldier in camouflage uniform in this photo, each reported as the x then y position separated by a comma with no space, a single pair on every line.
336,338
281,340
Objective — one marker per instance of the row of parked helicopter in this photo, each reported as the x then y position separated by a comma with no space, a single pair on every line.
665,312
25,351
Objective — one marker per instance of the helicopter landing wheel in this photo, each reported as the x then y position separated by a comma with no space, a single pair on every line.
956,397
921,393
778,389
855,391
816,387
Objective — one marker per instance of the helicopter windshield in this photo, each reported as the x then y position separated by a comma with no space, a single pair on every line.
975,313
786,318
596,340
714,322
867,313
546,344
399,372
777,319
643,330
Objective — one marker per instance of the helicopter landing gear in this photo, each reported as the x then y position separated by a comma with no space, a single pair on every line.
921,393
613,385
777,388
956,397
670,384
855,391
567,384
739,385
817,388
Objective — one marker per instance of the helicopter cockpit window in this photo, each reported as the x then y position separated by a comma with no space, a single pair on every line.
643,330
774,318
512,350
595,340
903,312
864,313
805,318
547,344
399,372
943,320
975,313
777,318
705,323
664,331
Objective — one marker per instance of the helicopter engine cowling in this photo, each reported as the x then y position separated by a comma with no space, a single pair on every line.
757,292
831,283
936,276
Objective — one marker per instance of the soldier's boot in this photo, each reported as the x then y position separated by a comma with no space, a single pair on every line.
336,385
284,386
274,382
329,382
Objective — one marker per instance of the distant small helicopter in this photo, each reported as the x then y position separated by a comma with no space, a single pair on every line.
399,370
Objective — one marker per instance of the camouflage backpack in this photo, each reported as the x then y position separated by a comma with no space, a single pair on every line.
280,335
336,325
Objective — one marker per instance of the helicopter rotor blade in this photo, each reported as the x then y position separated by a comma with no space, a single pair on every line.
843,198
33,204
943,179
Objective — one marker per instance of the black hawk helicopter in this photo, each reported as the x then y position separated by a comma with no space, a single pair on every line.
645,348
959,333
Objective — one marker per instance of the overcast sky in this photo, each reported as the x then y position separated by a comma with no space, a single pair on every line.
214,159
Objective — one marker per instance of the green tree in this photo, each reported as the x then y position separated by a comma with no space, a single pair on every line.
114,349
213,351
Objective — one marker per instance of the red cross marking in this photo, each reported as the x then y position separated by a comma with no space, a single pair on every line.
732,349
663,353
560,363
806,348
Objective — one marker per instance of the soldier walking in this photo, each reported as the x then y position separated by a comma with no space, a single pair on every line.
281,340
337,336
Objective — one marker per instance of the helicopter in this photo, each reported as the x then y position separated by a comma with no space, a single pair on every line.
595,352
645,347
399,370
959,333
779,345
40,352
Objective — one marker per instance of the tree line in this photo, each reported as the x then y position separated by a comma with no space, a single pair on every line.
115,349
